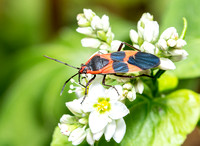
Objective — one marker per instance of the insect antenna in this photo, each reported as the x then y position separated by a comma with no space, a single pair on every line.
67,82
61,62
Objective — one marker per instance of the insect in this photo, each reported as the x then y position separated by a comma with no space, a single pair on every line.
112,63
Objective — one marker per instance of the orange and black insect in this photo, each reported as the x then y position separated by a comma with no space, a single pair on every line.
113,63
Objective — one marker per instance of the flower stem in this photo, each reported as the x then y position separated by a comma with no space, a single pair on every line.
155,90
184,28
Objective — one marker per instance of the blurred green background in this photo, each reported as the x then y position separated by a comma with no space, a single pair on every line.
30,105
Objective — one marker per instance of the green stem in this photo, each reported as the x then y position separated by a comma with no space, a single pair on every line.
96,143
155,90
184,28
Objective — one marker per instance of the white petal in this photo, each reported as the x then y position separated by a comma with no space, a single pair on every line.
77,136
96,90
83,22
112,93
180,43
75,106
104,46
97,121
139,87
89,137
162,44
97,136
148,47
110,130
89,14
67,119
85,30
118,110
134,36
151,31
96,23
90,42
115,45
105,22
64,129
171,42
166,64
176,52
131,95
168,33
120,130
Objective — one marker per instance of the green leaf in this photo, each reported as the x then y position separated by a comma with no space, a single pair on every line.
167,81
163,121
59,139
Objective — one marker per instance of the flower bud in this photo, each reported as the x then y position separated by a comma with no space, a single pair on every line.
134,36
89,14
166,64
148,47
85,30
90,42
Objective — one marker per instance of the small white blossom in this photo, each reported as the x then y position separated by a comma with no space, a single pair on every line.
134,36
90,42
139,87
89,14
166,64
85,30
180,43
115,45
169,33
104,107
77,136
105,22
148,47
148,29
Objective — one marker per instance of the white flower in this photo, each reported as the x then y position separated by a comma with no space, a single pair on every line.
148,47
77,136
171,42
134,36
82,21
166,64
115,45
151,31
178,54
105,22
163,44
67,124
180,43
89,137
147,28
96,23
90,42
169,33
85,30
103,106
89,14
139,87
75,107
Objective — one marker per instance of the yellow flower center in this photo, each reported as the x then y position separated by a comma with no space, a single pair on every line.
103,105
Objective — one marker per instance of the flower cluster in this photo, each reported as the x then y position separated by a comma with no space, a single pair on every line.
98,31
103,109
168,46
100,113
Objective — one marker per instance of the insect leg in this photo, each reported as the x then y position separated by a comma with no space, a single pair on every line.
67,82
124,43
124,76
103,82
79,80
120,47
88,83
